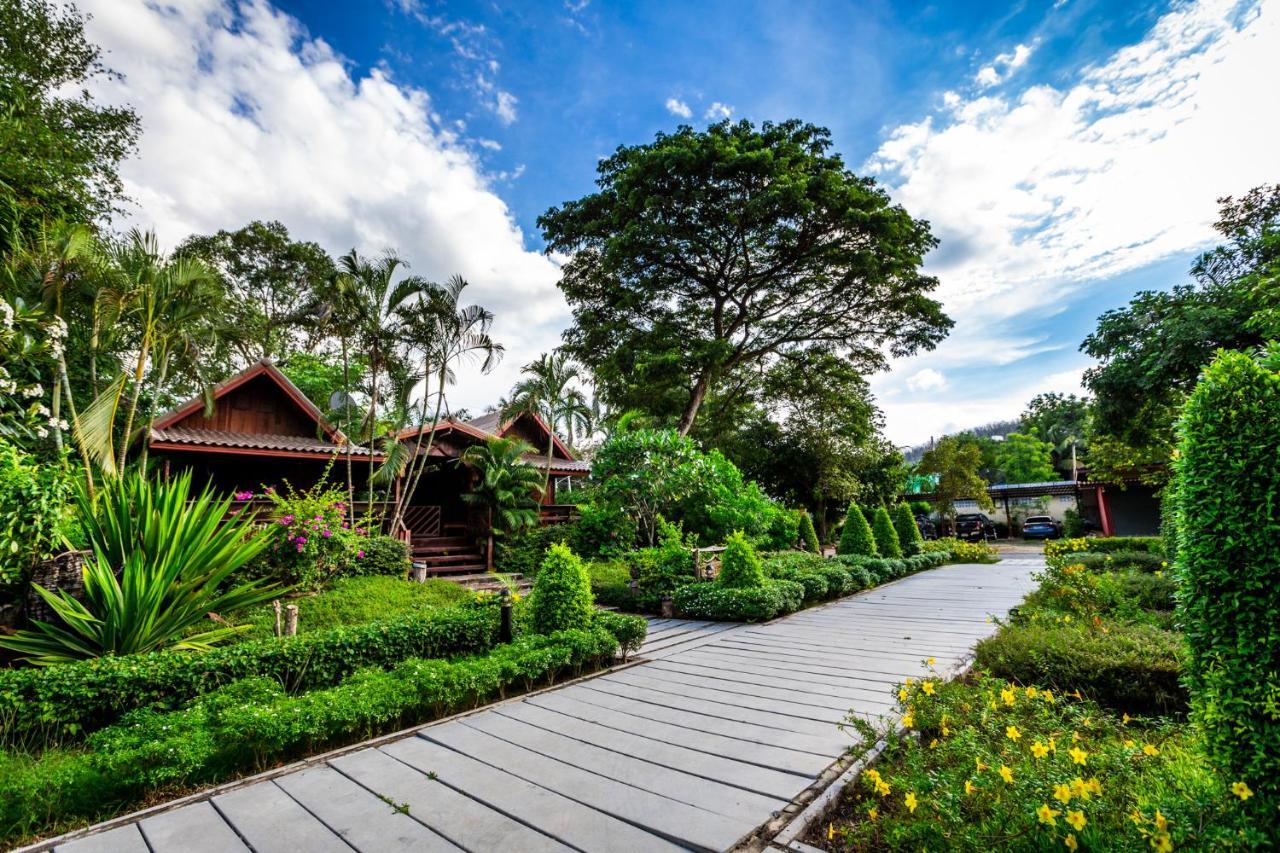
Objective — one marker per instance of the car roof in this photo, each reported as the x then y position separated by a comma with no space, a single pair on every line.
1032,518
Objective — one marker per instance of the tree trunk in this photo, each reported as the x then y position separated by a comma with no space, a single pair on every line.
415,467
75,418
151,409
138,373
695,401
346,413
821,512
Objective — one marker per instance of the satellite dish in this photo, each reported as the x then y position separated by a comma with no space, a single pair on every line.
340,400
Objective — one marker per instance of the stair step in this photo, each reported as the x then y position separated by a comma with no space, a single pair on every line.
460,557
454,569
444,541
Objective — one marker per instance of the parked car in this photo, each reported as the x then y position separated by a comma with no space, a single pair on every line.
1041,527
975,526
928,530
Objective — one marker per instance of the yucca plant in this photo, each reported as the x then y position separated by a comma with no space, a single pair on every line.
159,568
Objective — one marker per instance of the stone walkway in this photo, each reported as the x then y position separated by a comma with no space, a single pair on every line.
693,749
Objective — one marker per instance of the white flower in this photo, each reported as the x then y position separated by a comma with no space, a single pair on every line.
6,315
61,424
57,328
42,411
41,432
33,391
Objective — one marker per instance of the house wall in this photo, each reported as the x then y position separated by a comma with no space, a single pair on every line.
257,406
1055,506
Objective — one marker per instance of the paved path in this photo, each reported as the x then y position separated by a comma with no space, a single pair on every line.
694,749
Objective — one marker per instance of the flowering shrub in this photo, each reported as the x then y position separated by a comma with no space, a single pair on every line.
993,765
1055,548
319,542
34,507
962,551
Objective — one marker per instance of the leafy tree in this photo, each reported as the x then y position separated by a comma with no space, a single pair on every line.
856,537
561,598
954,464
1228,491
269,280
548,391
808,536
706,255
647,473
507,487
740,566
1025,459
1061,420
904,522
316,375
887,544
61,148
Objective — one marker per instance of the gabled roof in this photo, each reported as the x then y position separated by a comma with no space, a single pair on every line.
493,424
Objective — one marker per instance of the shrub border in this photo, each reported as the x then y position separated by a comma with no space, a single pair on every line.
49,844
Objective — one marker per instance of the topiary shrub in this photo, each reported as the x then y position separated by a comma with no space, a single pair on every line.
904,523
715,602
561,597
379,555
886,536
808,536
856,537
1169,520
740,566
1229,562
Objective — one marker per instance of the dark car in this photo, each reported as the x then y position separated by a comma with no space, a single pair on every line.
1041,527
928,530
975,526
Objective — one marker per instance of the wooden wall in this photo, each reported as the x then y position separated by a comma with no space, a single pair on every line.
257,406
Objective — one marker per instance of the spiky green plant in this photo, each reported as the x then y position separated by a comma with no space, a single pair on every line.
856,536
160,566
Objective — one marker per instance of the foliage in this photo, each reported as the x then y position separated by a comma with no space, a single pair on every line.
1025,459
62,147
379,554
561,594
904,523
611,583
30,340
628,630
843,264
318,377
64,702
856,537
647,473
316,541
1057,549
34,504
808,536
1169,520
508,489
1112,561
962,551
162,563
547,390
523,552
1072,524
733,604
603,530
270,280
252,724
887,544
660,571
739,564
955,466
1229,560
986,764
1061,420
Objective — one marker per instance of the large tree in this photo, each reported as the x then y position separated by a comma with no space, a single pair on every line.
705,253
1061,420
61,148
269,280
953,465
1025,459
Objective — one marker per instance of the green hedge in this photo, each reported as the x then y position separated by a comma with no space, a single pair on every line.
733,604
1115,561
383,555
629,630
1061,548
1133,668
253,724
856,538
54,703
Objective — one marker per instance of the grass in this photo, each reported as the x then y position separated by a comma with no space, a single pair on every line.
353,601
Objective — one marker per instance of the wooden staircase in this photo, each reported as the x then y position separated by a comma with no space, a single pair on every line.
447,555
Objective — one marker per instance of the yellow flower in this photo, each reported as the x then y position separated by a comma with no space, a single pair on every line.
930,662
933,744
902,694
831,831
1047,695
1008,696
908,720
1150,750
1062,793
1006,774
874,813
1053,745
1080,788
1070,841
1039,750
1162,843
1078,755
927,687
1066,618
1125,719
1161,823
882,788
1012,733
1136,817
910,800
1094,785
1130,743
1076,819
1031,692
969,787
1047,816
1241,790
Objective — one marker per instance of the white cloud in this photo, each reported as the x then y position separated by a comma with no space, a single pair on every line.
927,379
677,107
718,111
1003,66
246,116
1040,193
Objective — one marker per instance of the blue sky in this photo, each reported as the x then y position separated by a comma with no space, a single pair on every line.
1067,153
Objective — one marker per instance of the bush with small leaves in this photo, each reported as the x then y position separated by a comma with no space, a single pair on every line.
886,536
904,523
740,566
856,537
808,536
561,598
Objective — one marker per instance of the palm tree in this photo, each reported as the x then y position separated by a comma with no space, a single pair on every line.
547,391
371,300
507,489
445,333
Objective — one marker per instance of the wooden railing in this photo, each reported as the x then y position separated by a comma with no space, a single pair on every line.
380,511
557,513
423,520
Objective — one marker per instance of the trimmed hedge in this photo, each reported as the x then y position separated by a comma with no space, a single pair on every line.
739,604
561,597
856,538
908,531
253,724
887,544
629,630
1133,668
66,701
808,536
382,555
1103,545
1116,561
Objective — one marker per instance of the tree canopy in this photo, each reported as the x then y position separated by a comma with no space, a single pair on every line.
1025,459
705,256
954,465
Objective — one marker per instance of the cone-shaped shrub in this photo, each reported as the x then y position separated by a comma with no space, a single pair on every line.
1228,562
856,537
909,537
561,594
886,537
740,567
808,536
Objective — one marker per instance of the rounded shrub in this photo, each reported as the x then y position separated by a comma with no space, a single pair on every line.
1228,562
808,536
561,597
856,537
379,555
740,566
886,536
904,523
